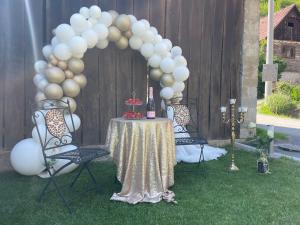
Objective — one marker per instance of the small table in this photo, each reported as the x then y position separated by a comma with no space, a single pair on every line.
144,152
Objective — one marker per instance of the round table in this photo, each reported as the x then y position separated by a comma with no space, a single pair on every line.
144,152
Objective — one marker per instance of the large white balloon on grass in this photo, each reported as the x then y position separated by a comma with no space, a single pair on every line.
26,157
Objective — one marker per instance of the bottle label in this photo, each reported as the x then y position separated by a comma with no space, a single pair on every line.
151,114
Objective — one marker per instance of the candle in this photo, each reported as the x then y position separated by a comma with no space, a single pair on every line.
232,101
223,109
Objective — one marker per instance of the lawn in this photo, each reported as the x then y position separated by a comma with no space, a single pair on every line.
213,197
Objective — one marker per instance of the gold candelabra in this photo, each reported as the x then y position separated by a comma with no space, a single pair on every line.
233,122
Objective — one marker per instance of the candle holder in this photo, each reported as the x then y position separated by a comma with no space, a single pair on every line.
233,122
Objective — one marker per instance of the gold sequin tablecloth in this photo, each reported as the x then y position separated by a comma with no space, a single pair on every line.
144,152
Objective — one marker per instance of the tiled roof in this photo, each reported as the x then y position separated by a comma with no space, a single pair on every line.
278,17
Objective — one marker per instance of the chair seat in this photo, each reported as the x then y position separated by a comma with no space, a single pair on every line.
190,141
81,155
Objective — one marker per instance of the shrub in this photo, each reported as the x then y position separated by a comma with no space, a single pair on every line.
280,104
283,87
295,93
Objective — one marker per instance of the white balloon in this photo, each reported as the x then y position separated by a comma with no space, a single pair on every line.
132,19
84,11
146,23
78,45
95,12
42,84
38,117
147,50
138,28
40,66
148,36
27,158
114,14
167,65
62,51
38,78
92,22
178,86
181,73
78,56
76,120
78,23
176,51
106,19
154,61
180,61
154,30
91,37
167,93
60,162
101,31
39,96
64,32
157,39
47,50
135,42
44,133
102,44
160,48
54,41
168,43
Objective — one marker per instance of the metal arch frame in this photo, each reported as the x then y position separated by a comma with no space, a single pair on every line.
77,156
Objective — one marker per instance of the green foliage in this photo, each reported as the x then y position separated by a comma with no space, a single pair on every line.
279,4
291,90
280,104
295,93
277,136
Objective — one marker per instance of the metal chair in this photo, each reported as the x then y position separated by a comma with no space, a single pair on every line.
55,126
184,114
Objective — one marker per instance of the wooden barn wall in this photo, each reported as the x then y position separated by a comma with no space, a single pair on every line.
209,32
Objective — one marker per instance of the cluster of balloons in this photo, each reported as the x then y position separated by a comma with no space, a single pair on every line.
60,75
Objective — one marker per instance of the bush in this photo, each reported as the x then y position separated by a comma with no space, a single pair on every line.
280,104
295,93
284,88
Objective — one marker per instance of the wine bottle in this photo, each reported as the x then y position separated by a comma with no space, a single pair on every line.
150,105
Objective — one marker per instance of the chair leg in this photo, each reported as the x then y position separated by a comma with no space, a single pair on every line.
76,177
92,176
62,196
201,154
44,190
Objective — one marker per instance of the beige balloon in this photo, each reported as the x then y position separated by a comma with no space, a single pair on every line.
51,57
69,74
72,103
76,65
50,65
122,43
55,75
114,34
53,91
123,22
54,62
177,97
70,88
62,64
80,80
40,96
167,80
156,74
128,34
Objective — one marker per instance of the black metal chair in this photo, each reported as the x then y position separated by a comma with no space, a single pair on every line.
184,113
57,132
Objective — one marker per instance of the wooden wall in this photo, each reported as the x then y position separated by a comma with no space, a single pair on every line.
209,32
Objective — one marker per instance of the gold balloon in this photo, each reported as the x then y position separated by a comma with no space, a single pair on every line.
123,22
80,80
54,62
50,65
69,74
114,33
62,64
55,75
76,65
177,97
156,74
167,80
53,91
51,57
122,43
128,34
70,88
72,103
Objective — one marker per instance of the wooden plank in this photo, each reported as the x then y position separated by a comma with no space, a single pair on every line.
107,78
172,20
14,75
139,78
215,123
32,44
124,64
157,19
205,63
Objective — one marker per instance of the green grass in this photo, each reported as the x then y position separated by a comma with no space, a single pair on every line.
218,197
279,4
263,109
277,135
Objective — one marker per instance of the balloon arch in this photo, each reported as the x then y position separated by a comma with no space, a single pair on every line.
60,76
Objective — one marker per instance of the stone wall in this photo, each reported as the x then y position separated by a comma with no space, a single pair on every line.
250,53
